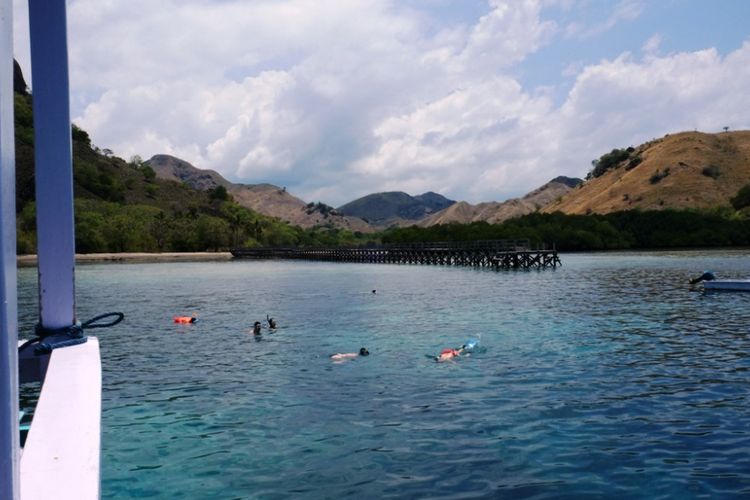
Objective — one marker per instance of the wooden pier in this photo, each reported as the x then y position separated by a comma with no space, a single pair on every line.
497,254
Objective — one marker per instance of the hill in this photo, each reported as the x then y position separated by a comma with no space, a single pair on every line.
495,212
688,170
173,169
395,208
267,199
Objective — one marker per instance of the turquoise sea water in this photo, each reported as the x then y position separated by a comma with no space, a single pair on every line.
606,377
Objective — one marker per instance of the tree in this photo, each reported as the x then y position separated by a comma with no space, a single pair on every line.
136,161
149,175
159,229
240,221
742,198
212,233
218,193
80,135
89,237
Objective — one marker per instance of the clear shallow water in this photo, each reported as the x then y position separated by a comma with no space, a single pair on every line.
604,377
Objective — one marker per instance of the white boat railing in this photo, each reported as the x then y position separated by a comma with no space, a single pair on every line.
9,437
61,455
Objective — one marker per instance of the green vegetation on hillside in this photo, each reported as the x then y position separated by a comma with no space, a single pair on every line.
611,160
742,199
620,230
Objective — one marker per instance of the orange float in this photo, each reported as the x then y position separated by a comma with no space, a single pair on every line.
185,319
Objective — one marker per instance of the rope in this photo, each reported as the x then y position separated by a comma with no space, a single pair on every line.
92,322
53,338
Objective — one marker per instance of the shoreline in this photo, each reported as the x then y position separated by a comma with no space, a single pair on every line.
83,258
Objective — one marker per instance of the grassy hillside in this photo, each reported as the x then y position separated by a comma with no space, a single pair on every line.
689,170
496,212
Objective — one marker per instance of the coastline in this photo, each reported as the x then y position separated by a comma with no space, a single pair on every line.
83,258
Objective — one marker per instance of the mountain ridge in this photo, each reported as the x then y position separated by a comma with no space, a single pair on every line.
395,207
495,212
267,199
686,170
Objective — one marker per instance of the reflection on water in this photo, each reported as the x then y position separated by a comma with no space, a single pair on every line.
604,377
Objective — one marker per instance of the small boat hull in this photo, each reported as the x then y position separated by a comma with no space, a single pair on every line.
729,285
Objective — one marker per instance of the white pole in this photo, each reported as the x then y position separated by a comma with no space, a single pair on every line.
54,170
9,437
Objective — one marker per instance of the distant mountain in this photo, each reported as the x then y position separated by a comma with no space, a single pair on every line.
174,169
687,170
395,207
266,199
495,212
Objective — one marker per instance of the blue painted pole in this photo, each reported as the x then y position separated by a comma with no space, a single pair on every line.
9,437
54,169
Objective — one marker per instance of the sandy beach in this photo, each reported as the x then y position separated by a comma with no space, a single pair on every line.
31,260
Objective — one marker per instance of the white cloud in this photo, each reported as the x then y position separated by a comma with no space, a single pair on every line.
473,138
624,11
505,36
338,99
319,78
651,47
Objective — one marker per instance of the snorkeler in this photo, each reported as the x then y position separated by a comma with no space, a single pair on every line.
271,322
350,355
449,353
471,346
256,328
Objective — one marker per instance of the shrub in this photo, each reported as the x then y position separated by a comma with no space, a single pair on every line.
711,171
742,198
218,193
321,207
148,173
634,162
609,161
80,135
659,175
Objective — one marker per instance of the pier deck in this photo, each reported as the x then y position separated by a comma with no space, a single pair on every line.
498,254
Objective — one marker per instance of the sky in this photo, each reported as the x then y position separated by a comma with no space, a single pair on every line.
478,100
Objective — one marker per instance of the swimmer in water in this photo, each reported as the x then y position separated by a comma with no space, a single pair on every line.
449,353
271,322
256,328
350,355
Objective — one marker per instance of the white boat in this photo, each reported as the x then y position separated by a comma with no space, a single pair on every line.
728,285
61,455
